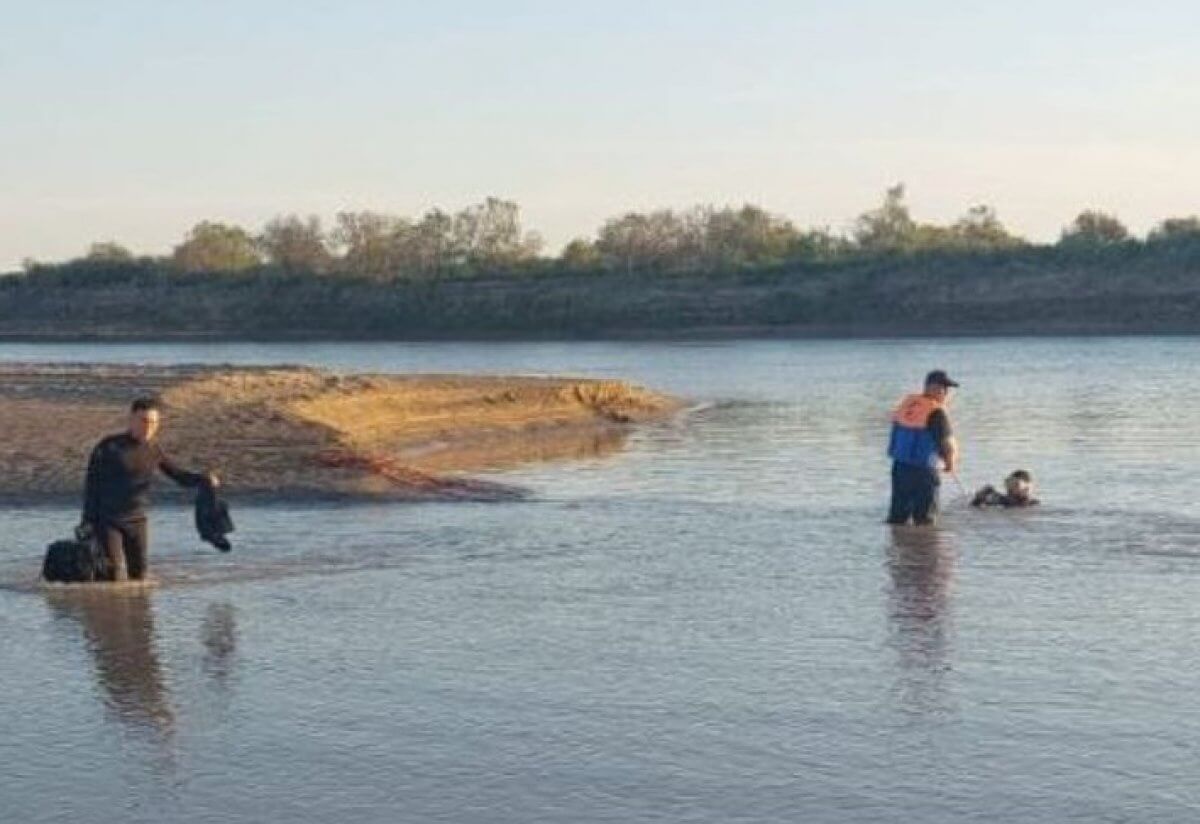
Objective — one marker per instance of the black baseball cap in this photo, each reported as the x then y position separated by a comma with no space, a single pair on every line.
939,378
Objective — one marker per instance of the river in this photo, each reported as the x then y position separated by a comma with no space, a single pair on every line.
711,625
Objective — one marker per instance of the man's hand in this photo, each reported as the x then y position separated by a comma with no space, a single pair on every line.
950,455
213,480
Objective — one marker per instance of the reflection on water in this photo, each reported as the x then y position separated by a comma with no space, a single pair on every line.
921,564
118,625
219,636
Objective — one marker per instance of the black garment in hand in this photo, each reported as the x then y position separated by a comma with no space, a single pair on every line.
212,518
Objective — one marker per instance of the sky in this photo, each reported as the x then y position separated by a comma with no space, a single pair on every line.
132,121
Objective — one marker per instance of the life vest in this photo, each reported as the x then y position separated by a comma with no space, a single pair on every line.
911,442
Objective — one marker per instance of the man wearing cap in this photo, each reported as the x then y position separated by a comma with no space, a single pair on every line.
921,445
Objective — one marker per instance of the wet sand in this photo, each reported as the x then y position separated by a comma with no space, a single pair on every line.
291,433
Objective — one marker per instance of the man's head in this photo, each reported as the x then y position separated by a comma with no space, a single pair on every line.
144,418
938,385
1019,485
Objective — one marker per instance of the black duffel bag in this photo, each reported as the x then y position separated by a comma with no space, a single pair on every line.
81,560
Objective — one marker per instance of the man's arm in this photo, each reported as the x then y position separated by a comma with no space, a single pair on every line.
949,450
91,486
182,476
943,436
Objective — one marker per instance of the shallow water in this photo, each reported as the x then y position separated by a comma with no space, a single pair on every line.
711,625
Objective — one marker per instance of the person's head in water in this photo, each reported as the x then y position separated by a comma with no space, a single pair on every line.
1019,485
144,419
938,386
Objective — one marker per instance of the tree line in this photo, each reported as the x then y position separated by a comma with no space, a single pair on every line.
489,238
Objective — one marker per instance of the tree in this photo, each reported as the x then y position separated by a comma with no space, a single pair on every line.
819,246
749,236
888,229
372,242
931,237
295,244
980,229
1094,228
431,245
580,255
1176,228
642,241
216,247
489,234
109,251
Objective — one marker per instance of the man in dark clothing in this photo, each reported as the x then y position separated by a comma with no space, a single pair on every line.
117,490
921,440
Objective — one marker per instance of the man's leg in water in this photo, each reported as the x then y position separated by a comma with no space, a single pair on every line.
902,499
137,548
925,500
127,545
114,548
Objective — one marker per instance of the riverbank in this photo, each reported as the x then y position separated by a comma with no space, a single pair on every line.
1136,289
290,433
1017,328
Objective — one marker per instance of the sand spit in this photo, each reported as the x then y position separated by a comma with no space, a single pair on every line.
293,433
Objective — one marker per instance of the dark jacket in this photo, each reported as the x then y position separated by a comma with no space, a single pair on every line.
119,473
212,518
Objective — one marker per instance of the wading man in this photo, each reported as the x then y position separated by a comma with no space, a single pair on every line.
922,443
117,490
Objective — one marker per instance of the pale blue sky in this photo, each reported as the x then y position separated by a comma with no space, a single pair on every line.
133,120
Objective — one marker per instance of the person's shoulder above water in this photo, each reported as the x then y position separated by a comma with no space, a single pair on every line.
1018,493
987,496
990,496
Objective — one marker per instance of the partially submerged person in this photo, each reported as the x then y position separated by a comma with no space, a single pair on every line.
921,445
116,494
1018,492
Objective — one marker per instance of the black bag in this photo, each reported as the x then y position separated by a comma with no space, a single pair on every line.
74,561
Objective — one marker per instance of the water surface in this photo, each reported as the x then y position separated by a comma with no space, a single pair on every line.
712,625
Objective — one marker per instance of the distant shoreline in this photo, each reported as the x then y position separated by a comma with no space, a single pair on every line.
848,332
1136,290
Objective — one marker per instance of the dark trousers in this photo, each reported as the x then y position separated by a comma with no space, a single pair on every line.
914,494
127,544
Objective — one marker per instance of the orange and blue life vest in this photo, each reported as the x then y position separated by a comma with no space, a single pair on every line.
911,441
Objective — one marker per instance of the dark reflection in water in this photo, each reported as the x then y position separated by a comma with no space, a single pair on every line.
219,636
118,625
921,565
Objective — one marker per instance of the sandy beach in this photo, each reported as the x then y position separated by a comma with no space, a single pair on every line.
288,433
